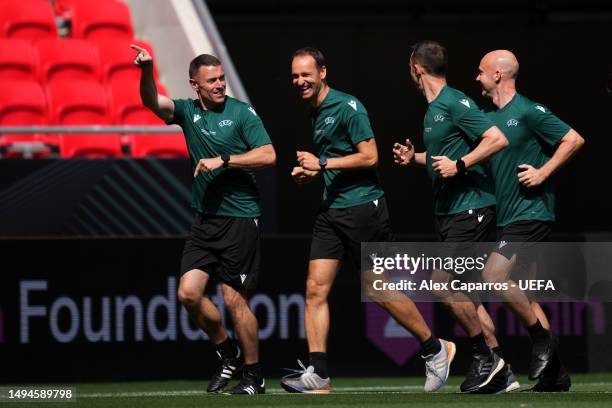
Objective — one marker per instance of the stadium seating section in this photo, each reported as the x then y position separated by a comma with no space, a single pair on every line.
86,77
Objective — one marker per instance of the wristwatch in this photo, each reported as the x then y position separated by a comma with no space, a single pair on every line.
461,170
226,158
322,163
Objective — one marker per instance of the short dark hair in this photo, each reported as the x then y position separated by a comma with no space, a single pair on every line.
206,60
314,53
432,56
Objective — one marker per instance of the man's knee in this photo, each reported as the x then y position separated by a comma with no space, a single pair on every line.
189,296
316,293
233,299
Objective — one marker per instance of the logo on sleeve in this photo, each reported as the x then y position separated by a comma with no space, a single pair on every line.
540,108
196,117
352,104
465,102
512,122
439,118
330,120
252,111
225,122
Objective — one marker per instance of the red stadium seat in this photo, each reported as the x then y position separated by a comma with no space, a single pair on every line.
23,103
82,102
128,109
102,21
164,145
95,146
30,20
67,59
16,60
117,61
65,8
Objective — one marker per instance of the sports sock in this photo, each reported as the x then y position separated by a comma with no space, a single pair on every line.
319,361
431,346
254,370
498,350
537,330
227,348
479,345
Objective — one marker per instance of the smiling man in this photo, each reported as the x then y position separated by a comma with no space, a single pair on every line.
353,211
226,140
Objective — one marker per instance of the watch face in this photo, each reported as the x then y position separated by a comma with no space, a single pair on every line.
322,162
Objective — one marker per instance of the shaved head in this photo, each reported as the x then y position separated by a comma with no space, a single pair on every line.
502,61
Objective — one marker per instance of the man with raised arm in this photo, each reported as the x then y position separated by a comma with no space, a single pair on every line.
226,141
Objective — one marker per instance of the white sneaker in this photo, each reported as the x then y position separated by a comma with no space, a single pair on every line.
437,366
306,381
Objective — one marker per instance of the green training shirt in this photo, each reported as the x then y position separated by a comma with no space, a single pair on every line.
340,123
533,132
232,128
452,127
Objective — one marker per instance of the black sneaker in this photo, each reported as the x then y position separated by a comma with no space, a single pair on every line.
227,369
502,382
542,354
554,379
482,370
249,385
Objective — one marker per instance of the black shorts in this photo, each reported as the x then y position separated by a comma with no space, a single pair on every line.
339,232
468,226
512,239
227,248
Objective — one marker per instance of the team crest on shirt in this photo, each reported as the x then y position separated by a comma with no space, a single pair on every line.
225,122
439,118
330,120
512,122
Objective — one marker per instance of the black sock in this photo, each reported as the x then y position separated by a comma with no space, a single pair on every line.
227,348
319,362
479,345
254,370
537,330
498,350
431,346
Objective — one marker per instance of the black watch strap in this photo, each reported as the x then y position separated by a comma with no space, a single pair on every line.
226,158
461,169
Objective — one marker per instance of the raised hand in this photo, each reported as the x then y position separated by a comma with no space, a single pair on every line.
143,57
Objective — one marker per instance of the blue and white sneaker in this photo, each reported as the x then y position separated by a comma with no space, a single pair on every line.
306,381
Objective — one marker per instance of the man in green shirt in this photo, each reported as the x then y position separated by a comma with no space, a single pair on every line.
525,198
458,137
226,140
353,211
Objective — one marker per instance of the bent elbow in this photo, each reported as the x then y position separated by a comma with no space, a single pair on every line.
372,162
502,141
271,158
579,142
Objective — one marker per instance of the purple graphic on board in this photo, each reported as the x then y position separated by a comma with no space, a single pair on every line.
395,341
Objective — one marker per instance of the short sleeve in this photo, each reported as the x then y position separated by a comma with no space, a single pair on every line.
253,130
357,122
546,125
178,117
466,115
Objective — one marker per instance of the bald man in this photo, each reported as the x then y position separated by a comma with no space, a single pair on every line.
525,199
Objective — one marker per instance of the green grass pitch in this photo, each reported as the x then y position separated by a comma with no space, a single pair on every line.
592,390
